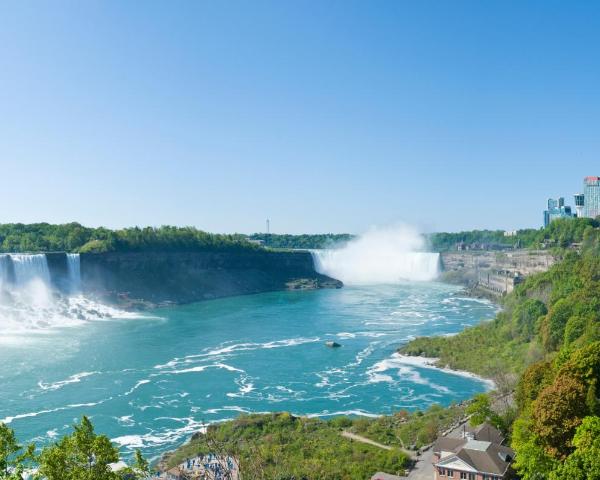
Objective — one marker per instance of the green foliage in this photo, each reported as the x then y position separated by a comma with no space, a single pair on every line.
73,237
525,318
584,462
557,412
14,458
560,233
532,461
481,411
284,446
83,455
404,429
553,327
307,241
537,377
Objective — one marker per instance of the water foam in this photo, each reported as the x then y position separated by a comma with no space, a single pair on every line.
29,303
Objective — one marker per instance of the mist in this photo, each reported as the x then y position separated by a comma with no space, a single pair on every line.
381,255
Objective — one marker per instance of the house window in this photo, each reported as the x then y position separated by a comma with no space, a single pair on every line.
471,476
463,475
450,473
442,472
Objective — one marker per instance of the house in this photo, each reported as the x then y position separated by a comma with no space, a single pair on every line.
477,454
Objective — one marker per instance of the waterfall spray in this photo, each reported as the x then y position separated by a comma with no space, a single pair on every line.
380,256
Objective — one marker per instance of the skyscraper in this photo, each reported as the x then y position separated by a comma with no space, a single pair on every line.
591,192
579,204
556,209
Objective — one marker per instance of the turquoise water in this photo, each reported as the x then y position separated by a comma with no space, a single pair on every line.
150,382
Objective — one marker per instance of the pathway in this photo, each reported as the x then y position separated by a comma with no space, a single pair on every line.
359,438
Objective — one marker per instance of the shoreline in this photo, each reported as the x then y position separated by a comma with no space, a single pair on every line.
432,363
409,360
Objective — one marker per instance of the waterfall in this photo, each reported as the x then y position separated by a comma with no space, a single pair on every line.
30,267
379,256
74,272
36,295
5,269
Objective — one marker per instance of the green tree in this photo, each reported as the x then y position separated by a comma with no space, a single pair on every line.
532,462
83,455
140,469
525,317
481,411
13,457
555,323
584,462
557,412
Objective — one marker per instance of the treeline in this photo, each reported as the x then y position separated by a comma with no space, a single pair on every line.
560,233
73,237
307,241
81,455
548,334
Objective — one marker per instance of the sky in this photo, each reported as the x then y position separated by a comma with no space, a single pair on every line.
328,116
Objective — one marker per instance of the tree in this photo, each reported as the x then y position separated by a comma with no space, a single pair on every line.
525,317
557,412
555,322
584,462
537,377
83,455
481,411
532,462
139,470
13,457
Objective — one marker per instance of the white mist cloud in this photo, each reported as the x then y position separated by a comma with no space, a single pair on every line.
382,255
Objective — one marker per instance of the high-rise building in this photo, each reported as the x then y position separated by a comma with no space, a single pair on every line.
591,193
556,209
579,204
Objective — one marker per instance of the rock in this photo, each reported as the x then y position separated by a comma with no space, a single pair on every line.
332,344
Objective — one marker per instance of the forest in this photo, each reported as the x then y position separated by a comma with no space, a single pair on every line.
75,238
306,241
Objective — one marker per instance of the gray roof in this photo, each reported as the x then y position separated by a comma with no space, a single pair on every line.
484,453
491,460
448,444
487,433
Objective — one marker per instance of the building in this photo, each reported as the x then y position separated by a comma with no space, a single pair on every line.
579,204
591,194
556,209
478,454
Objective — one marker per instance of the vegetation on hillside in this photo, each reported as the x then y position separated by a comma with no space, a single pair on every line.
73,237
549,333
81,455
281,446
560,233
406,429
307,241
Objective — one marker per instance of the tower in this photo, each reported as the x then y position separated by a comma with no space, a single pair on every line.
268,226
591,193
579,204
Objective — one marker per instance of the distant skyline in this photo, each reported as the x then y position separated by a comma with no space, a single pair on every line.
320,116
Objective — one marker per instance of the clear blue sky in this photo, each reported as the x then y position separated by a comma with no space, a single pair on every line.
320,115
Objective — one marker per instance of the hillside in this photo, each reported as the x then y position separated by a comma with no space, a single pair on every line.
548,334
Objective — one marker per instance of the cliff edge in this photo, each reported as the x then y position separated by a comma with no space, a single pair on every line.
159,278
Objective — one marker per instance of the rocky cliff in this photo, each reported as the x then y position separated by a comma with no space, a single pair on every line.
155,278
